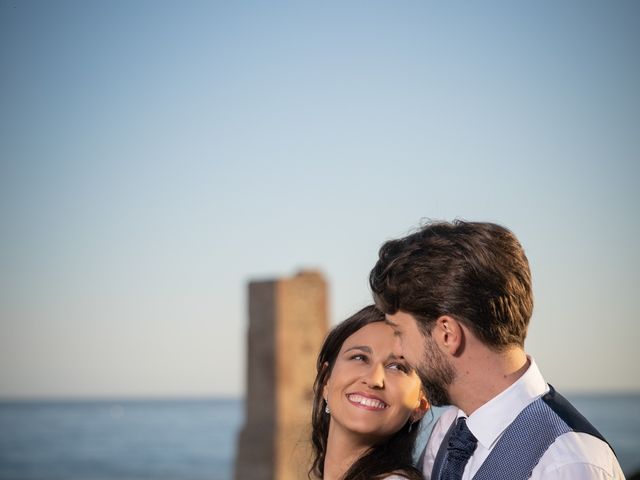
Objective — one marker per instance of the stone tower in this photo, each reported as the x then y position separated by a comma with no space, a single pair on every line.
287,324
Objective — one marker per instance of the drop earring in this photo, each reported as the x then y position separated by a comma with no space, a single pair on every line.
326,408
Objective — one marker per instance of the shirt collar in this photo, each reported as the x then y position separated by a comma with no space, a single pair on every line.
489,421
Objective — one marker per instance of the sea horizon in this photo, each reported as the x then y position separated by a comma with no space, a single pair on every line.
193,437
70,398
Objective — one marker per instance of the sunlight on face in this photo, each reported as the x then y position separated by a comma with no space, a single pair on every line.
372,390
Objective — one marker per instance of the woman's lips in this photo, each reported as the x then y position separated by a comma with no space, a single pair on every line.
366,401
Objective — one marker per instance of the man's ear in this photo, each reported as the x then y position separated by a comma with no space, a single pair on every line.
449,334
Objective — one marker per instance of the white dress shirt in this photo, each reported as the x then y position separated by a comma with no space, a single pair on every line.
573,455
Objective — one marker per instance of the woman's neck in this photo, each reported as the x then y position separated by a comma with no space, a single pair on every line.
343,450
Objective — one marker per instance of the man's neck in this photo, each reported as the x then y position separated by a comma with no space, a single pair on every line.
483,374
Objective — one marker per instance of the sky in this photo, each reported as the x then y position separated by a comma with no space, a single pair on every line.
156,156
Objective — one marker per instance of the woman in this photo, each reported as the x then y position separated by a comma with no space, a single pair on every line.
368,403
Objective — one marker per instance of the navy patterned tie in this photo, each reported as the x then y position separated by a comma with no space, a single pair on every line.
462,443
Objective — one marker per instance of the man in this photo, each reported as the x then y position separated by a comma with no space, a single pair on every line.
459,295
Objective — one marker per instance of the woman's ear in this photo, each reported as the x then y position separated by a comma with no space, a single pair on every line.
421,409
325,368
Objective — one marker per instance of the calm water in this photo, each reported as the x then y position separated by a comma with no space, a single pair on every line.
188,440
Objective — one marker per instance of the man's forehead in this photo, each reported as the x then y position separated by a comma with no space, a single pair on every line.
393,321
397,331
390,320
406,330
404,349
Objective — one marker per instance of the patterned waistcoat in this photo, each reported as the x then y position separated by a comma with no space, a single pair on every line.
526,439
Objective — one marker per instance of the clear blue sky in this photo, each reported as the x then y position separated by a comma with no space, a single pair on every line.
155,156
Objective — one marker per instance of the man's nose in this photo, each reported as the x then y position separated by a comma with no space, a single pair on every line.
375,376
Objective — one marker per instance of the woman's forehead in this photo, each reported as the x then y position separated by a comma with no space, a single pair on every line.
375,336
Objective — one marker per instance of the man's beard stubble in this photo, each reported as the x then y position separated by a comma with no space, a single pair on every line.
436,374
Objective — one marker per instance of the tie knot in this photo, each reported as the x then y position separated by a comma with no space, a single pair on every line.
461,439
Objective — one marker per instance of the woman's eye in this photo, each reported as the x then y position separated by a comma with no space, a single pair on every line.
398,366
359,357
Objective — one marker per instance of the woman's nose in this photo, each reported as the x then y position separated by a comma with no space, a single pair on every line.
375,376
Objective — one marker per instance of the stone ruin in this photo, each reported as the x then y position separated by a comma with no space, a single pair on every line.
287,323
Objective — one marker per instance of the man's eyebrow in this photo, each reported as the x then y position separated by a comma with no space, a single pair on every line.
364,348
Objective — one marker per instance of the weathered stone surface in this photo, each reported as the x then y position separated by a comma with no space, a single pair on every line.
287,324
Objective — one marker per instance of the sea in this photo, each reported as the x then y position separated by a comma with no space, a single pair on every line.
192,439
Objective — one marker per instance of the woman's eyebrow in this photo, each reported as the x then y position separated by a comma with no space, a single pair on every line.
364,348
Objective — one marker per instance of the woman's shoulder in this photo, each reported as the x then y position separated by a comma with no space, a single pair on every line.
395,477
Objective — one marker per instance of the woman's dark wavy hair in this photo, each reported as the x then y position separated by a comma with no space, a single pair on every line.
392,456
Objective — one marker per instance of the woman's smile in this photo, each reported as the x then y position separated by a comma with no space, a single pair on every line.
368,402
